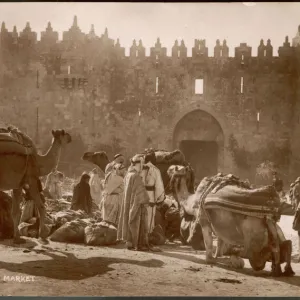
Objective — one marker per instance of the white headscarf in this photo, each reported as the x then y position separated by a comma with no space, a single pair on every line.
139,158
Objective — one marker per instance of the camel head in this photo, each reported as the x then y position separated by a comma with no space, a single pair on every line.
62,137
178,173
97,158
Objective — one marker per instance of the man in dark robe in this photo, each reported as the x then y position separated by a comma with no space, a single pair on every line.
82,199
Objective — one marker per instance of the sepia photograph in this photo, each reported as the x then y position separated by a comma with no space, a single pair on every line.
150,149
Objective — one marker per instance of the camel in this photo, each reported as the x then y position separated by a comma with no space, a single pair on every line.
163,160
160,158
99,159
240,216
21,166
187,203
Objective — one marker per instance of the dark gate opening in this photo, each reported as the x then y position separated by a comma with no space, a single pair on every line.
203,157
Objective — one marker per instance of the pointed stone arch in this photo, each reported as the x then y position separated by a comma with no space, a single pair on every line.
201,127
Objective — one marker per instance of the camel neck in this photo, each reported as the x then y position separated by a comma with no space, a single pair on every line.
182,191
49,161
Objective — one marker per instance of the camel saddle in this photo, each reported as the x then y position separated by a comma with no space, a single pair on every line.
228,192
256,202
13,141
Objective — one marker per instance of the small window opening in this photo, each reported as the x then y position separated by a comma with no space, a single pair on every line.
221,52
73,82
199,46
156,85
156,57
242,57
242,85
265,52
178,53
258,116
136,53
69,70
199,86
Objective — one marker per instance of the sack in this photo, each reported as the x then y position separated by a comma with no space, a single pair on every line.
68,215
70,232
100,234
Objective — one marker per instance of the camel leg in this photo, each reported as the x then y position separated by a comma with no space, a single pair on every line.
208,240
41,209
286,254
220,248
16,215
286,249
276,268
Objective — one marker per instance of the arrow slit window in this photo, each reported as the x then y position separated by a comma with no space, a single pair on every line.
199,86
156,85
242,85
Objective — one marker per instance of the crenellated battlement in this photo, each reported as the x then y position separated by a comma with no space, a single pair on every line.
74,38
86,82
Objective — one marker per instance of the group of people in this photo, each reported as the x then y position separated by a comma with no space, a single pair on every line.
127,198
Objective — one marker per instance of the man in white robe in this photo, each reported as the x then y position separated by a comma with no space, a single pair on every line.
118,159
96,184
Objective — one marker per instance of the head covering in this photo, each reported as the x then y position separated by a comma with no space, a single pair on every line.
118,167
118,155
138,158
297,180
84,177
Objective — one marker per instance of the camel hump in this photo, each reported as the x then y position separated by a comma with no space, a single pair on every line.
14,141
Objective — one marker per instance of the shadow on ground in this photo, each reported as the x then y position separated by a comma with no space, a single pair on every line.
64,265
222,262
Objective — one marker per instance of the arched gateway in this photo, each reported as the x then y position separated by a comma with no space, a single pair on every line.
200,137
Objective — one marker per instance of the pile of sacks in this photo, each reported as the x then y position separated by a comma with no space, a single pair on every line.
87,231
57,205
71,226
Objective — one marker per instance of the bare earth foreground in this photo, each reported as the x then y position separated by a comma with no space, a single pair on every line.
77,270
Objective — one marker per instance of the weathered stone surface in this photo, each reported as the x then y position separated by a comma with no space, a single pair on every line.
86,84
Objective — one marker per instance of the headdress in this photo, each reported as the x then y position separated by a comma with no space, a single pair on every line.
118,155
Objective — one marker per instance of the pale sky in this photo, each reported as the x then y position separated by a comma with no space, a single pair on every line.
234,22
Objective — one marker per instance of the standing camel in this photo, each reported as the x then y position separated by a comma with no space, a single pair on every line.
21,165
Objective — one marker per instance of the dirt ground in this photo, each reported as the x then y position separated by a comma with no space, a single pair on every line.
76,270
